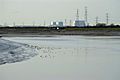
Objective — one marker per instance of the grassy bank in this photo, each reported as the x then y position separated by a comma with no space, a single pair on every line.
93,29
111,31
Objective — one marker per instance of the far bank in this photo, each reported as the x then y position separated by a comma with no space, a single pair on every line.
91,31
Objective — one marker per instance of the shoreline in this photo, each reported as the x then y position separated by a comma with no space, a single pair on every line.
12,52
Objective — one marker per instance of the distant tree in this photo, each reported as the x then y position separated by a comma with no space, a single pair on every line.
112,24
100,24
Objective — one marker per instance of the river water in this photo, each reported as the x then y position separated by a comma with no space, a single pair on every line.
67,58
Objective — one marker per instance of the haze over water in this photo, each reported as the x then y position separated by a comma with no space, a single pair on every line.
67,58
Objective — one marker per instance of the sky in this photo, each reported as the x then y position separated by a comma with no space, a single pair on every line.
38,11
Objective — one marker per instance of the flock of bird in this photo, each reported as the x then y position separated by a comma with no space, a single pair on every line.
51,52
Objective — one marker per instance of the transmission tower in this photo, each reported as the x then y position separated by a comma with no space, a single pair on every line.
23,24
14,24
70,22
44,23
77,15
97,20
86,14
65,22
5,24
107,18
33,23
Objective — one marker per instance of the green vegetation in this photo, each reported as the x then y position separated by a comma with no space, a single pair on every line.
108,31
61,28
92,29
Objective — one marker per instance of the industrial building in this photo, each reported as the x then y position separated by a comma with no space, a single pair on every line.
53,24
56,24
60,24
79,23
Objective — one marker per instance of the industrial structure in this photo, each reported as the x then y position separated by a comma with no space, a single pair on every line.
78,22
107,18
57,24
60,24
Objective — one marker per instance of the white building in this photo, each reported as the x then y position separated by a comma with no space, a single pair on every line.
79,23
53,24
57,24
60,24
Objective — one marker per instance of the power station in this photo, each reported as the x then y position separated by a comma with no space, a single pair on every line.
57,24
78,22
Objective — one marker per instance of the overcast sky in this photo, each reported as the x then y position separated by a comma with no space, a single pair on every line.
29,11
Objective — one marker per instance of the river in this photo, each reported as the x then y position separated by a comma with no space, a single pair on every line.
67,58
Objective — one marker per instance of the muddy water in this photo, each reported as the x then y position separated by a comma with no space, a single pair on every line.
67,58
